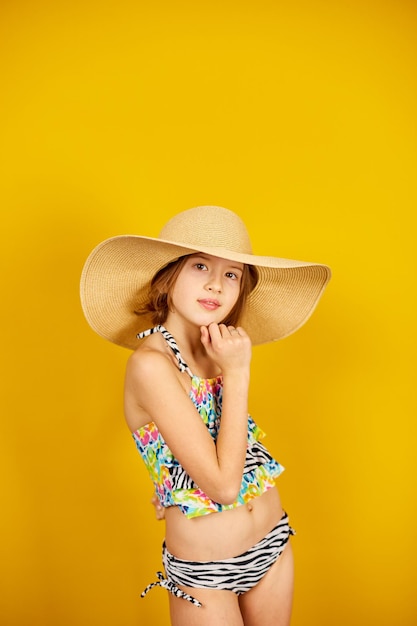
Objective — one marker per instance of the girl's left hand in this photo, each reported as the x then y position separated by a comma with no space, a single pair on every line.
159,510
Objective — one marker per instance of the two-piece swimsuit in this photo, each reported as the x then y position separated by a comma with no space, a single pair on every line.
174,487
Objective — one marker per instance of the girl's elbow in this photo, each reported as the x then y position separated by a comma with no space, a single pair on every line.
228,494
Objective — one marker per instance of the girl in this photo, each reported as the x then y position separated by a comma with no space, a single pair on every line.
191,304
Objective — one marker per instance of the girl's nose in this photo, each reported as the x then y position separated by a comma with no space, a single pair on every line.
214,284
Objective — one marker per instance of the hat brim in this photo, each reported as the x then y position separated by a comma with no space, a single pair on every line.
117,274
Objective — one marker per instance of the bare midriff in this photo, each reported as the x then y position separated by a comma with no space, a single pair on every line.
222,535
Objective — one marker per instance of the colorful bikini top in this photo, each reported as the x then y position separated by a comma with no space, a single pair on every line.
173,486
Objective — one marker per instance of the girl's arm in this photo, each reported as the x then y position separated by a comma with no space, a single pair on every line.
154,383
231,349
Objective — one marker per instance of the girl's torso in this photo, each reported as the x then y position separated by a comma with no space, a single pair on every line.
222,535
193,531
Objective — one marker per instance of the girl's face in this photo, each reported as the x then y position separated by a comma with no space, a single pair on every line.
207,288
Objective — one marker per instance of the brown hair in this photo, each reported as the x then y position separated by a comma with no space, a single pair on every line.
159,297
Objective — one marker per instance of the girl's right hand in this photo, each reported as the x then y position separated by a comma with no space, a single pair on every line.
229,347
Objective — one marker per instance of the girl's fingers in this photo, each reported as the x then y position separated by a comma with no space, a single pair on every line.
216,331
159,510
205,337
220,331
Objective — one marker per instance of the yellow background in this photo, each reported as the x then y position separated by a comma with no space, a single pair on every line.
301,117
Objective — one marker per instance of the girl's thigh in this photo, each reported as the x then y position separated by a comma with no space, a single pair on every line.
269,603
220,608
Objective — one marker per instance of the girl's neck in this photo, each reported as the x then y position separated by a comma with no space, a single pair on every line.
187,338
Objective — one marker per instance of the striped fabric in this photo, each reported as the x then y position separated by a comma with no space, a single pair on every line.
238,574
182,365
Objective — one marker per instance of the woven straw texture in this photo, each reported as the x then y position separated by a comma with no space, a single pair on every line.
117,274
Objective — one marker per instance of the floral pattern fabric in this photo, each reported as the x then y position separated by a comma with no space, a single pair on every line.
174,487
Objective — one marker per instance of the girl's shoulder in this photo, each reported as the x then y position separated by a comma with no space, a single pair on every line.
146,367
151,362
149,356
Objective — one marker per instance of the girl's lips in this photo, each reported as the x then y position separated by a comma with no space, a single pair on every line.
210,305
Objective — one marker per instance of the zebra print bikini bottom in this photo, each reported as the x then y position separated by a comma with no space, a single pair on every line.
238,574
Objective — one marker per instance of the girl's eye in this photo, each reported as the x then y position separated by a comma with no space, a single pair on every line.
232,275
200,266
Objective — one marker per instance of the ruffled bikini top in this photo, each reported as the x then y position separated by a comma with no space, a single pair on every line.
173,486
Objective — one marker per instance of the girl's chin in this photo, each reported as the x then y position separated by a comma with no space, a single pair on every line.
206,320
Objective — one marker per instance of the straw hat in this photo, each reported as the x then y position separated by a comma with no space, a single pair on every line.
117,275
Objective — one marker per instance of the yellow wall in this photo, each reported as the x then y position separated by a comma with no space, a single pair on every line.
301,116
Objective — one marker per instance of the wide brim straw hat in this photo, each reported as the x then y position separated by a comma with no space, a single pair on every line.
117,275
